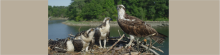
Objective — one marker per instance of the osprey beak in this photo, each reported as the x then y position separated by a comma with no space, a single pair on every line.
91,29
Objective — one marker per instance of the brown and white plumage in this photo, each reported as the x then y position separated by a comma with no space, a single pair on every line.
84,40
136,27
102,32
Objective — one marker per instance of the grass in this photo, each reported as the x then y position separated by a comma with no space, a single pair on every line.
162,19
57,18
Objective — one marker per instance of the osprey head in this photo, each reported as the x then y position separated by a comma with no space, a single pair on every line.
91,32
120,7
107,19
121,11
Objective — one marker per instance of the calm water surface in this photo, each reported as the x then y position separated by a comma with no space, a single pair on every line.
58,30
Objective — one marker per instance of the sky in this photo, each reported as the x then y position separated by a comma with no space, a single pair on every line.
59,2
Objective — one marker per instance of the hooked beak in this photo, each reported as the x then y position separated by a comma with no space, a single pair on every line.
92,29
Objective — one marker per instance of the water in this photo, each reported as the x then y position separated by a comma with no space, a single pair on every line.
58,30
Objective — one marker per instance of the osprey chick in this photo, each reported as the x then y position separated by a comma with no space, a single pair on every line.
84,39
102,32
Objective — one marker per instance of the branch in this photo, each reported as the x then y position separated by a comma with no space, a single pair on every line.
114,44
79,28
71,35
119,33
150,49
150,39
156,48
151,35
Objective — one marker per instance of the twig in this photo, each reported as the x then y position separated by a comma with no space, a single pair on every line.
150,39
154,42
150,44
119,33
114,44
150,35
157,49
79,28
150,49
71,35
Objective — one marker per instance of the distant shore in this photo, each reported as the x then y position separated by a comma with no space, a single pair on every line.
112,23
57,18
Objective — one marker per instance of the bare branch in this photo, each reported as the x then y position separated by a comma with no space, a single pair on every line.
114,44
150,49
156,48
79,28
119,33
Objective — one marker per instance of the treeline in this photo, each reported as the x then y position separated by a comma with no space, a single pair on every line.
96,10
57,11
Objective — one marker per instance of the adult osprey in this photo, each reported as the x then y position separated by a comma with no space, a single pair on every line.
136,27
84,40
102,32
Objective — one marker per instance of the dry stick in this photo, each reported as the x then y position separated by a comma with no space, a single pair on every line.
154,42
150,46
150,39
119,33
79,28
151,35
114,44
71,34
158,49
150,49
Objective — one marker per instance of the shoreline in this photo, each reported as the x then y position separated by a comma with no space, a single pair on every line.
57,18
112,23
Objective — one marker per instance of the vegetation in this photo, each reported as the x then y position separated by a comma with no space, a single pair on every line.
57,11
96,10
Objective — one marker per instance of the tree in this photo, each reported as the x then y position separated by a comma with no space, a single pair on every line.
85,10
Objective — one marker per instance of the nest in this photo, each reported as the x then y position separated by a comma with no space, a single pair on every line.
116,47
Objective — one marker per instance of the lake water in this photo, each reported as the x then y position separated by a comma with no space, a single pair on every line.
58,30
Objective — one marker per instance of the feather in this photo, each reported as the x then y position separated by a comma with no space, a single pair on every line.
134,26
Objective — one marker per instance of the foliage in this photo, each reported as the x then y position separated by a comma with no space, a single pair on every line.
85,10
57,11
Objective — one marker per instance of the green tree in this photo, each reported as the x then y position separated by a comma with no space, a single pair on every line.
85,10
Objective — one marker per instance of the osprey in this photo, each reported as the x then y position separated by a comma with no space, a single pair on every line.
62,45
84,40
69,45
102,32
136,27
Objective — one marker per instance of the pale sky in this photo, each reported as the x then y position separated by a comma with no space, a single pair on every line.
59,2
